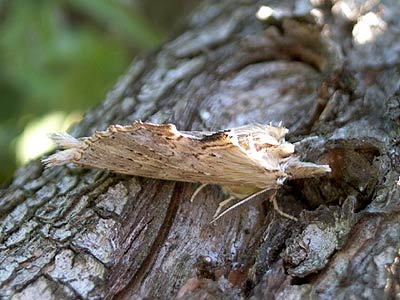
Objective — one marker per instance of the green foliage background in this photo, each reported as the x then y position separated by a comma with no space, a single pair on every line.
64,55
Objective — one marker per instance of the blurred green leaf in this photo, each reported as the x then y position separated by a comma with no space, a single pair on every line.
122,20
61,56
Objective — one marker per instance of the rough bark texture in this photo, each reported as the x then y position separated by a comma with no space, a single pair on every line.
68,233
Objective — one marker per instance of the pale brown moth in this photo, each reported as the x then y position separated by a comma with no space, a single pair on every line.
245,161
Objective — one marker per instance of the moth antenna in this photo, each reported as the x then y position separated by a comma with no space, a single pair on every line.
197,191
241,202
247,199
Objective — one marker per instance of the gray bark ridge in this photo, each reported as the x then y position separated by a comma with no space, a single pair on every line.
330,73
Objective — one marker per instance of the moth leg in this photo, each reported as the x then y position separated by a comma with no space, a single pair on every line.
279,211
197,191
221,205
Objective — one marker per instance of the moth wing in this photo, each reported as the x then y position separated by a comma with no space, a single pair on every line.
162,152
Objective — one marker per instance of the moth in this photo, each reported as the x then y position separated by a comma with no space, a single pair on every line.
246,161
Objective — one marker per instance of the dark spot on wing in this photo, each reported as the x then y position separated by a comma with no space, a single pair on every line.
215,136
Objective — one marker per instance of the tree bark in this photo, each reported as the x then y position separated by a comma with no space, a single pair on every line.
329,72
